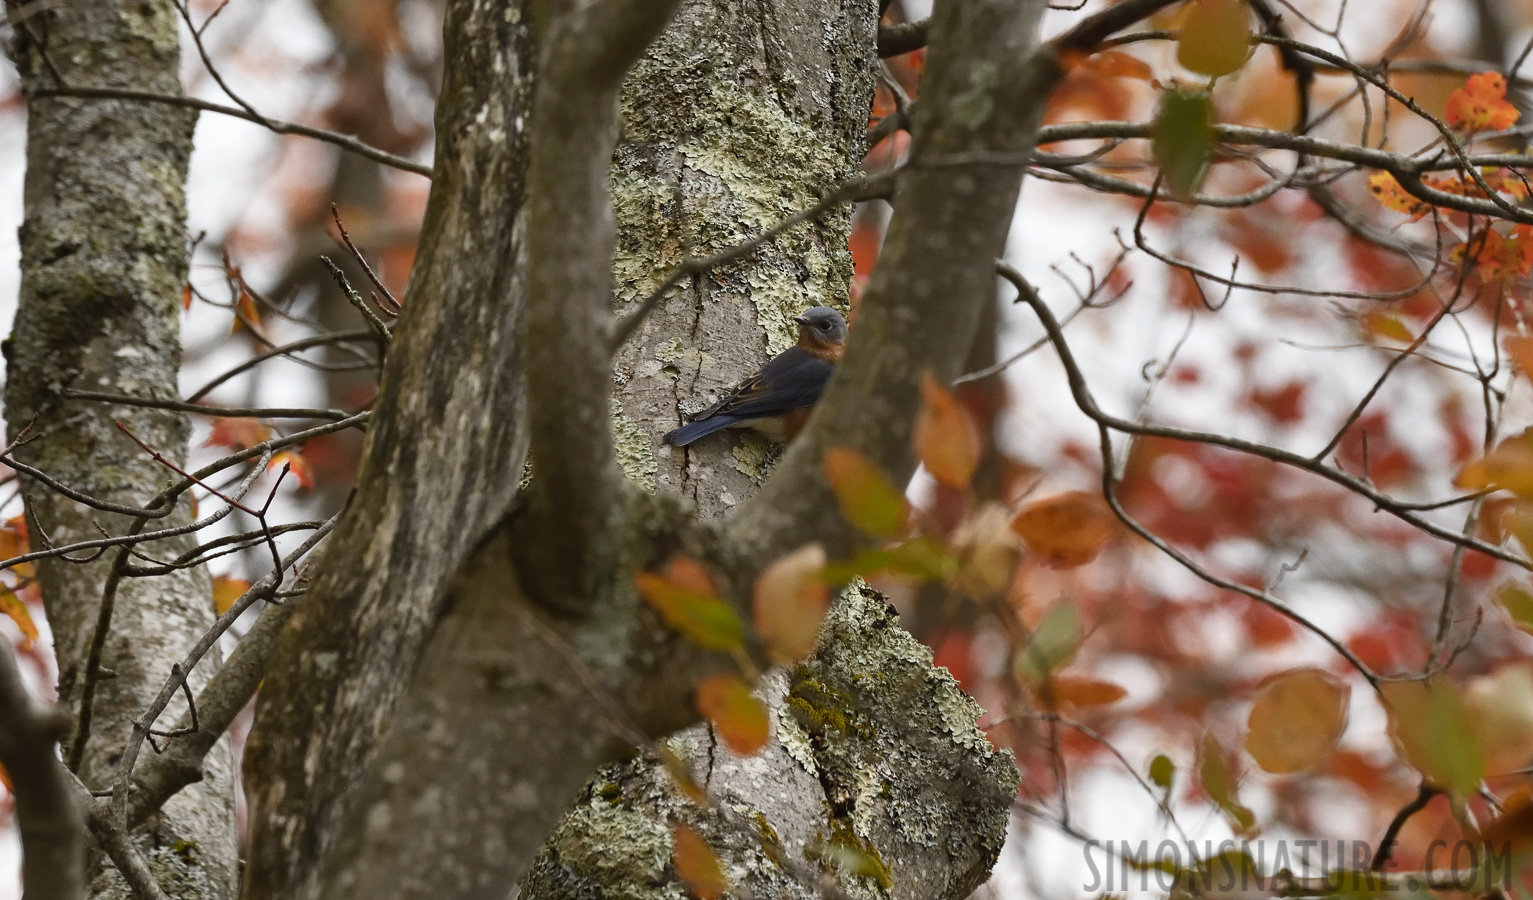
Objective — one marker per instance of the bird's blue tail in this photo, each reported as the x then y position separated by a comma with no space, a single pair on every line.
690,432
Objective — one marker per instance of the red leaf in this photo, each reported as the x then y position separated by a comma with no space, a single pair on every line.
237,433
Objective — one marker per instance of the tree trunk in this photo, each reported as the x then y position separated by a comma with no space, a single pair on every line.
104,260
443,455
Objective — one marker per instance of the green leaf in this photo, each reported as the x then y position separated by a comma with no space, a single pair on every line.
1219,783
1162,771
1434,732
867,497
1052,645
1517,600
703,618
1183,140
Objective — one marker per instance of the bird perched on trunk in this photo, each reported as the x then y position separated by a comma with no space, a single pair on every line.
776,400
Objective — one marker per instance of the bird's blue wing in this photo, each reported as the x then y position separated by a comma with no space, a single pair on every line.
686,434
793,380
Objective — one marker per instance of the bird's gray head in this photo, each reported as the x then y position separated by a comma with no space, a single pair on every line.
822,325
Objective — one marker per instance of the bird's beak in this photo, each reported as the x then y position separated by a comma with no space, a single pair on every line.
801,320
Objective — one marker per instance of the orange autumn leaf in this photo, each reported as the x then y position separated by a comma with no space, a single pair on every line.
246,314
1499,258
738,717
1480,105
868,499
1106,64
697,864
1066,530
186,298
946,438
237,433
1297,720
1387,189
789,603
12,608
298,468
685,597
1520,349
1084,692
226,590
13,537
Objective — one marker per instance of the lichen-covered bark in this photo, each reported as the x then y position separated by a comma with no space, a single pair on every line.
739,116
103,261
441,465
876,778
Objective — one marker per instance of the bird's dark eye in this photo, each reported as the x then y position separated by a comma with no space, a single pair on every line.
824,326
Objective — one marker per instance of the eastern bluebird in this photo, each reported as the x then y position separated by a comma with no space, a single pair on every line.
776,400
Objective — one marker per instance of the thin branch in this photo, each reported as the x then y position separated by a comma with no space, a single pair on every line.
249,412
905,37
277,126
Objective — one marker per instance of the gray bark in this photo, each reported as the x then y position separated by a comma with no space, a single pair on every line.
103,249
876,783
540,663
740,116
440,466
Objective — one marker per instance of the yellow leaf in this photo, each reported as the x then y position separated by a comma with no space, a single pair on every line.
1500,708
1216,37
946,438
226,590
1386,326
738,717
697,864
1297,720
1508,467
789,602
867,498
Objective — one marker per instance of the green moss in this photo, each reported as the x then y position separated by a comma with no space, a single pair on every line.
848,851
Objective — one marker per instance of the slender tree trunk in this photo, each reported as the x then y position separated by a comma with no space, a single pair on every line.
104,260
443,456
